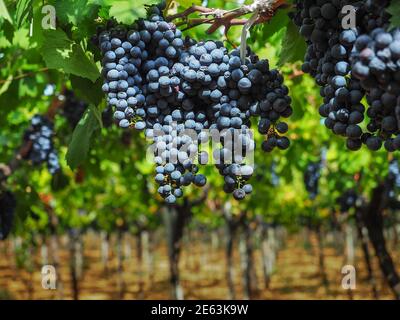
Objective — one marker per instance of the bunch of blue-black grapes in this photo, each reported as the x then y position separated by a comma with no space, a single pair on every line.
330,52
40,135
8,205
179,91
376,62
311,178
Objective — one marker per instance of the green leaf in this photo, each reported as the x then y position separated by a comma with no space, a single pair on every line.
24,12
293,46
74,11
128,11
6,84
21,38
80,143
97,114
8,31
4,12
9,99
89,92
28,87
59,52
267,30
394,10
184,4
37,35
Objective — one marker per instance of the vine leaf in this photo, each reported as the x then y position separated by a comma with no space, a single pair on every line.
8,31
266,30
97,114
74,11
79,146
89,92
293,46
187,3
4,12
4,87
24,12
127,11
394,10
59,51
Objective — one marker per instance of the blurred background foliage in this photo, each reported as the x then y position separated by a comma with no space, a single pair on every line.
114,172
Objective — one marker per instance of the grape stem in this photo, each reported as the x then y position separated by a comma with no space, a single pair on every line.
24,75
263,10
295,74
243,38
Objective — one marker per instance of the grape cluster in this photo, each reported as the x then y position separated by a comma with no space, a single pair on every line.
334,59
40,135
372,14
327,60
7,210
179,91
311,178
376,63
320,24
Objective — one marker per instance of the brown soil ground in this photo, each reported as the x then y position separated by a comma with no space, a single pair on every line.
202,268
